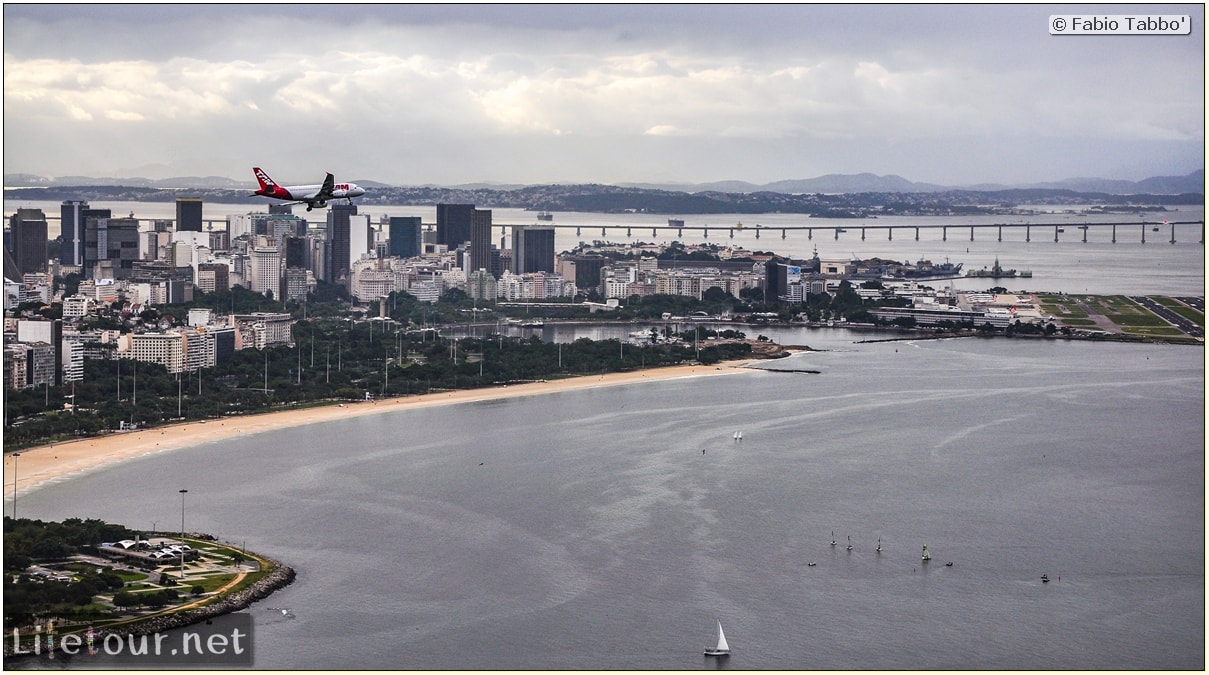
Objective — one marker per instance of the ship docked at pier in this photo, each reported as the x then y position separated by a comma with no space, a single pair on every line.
997,272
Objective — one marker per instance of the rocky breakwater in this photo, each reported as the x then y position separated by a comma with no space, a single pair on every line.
280,577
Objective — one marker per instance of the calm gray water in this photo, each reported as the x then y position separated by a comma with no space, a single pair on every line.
587,530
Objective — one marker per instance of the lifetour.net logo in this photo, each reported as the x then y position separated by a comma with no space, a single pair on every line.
226,641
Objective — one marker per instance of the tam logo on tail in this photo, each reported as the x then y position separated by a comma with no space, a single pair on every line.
264,179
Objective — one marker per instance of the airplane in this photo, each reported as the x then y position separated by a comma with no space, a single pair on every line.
311,195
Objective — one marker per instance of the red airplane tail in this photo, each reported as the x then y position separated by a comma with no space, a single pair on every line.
267,187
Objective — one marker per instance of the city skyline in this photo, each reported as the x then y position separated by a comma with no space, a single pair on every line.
451,94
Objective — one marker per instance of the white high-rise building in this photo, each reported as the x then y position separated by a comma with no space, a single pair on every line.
264,270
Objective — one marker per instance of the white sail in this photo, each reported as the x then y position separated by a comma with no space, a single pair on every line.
722,649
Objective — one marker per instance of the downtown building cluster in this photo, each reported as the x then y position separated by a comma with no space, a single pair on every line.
128,265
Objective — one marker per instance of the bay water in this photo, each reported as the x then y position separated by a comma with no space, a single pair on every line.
608,528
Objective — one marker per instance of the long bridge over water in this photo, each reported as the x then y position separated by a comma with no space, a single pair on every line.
1141,227
1057,228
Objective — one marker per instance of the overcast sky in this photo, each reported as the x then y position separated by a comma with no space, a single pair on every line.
448,94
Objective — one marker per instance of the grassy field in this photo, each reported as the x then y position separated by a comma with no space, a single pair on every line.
1115,314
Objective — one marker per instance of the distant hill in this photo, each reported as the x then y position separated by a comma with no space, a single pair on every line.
1193,183
867,182
861,182
13,180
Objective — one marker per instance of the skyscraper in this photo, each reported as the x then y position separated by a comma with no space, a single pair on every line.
405,236
188,214
27,229
453,224
338,225
295,251
480,240
264,270
73,221
532,248
111,244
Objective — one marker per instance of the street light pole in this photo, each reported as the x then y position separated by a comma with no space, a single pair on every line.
15,456
183,513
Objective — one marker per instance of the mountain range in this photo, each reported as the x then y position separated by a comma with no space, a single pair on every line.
1192,183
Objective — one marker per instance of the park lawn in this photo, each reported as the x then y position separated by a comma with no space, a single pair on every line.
131,577
210,583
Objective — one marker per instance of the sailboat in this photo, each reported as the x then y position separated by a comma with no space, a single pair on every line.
722,649
926,556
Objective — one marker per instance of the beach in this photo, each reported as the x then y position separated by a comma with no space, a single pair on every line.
34,467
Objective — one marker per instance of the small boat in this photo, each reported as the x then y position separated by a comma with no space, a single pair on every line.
879,544
1045,578
833,537
926,555
949,564
849,543
810,564
722,649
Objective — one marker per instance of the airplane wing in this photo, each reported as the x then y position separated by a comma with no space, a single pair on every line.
325,192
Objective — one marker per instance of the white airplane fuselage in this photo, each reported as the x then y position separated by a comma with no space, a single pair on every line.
311,195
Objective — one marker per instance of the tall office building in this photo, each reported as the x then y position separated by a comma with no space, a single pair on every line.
188,214
532,248
480,241
264,270
73,222
453,224
338,226
212,277
295,251
405,233
27,230
111,247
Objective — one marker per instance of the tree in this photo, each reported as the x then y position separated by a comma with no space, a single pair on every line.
126,600
716,296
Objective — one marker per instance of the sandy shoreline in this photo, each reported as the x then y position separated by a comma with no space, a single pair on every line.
48,463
